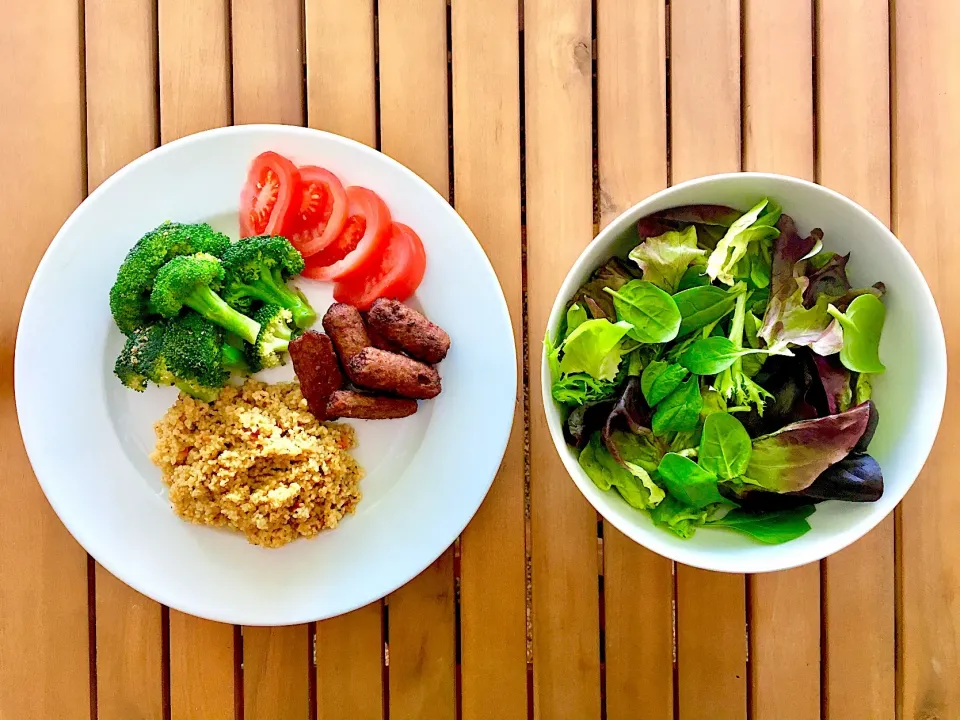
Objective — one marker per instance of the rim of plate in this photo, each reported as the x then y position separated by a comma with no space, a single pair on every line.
692,556
455,522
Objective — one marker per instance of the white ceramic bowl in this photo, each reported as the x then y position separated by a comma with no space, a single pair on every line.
909,396
89,438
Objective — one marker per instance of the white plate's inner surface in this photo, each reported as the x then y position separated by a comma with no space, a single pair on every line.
89,438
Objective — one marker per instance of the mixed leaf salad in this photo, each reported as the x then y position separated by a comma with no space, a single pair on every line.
719,376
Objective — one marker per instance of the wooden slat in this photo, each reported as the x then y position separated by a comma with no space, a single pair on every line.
778,129
341,77
121,77
276,673
413,129
44,670
201,669
268,61
268,87
559,169
349,652
341,98
926,185
854,158
195,95
486,147
705,119
638,584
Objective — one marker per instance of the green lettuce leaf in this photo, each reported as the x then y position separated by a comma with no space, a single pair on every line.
665,259
594,347
633,482
749,228
680,519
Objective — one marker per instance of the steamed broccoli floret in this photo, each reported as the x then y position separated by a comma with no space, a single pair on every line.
141,360
193,280
273,339
130,294
234,359
258,268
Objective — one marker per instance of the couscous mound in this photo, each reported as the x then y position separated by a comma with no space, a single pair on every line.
256,460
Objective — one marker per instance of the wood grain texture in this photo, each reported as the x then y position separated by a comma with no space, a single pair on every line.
413,129
122,106
195,95
341,75
349,652
341,98
267,56
632,157
711,607
276,673
195,77
201,668
778,136
268,61
854,158
486,147
926,176
44,654
559,168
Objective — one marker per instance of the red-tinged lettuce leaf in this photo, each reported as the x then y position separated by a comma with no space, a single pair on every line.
627,433
592,295
878,289
837,386
867,437
631,411
787,284
700,215
856,478
584,420
830,280
790,459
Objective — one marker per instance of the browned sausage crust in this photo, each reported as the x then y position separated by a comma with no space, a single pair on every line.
409,329
380,342
316,366
395,374
361,406
347,330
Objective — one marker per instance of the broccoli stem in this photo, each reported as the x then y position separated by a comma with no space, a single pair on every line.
233,359
206,302
272,290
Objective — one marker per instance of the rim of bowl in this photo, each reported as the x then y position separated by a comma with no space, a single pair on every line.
694,557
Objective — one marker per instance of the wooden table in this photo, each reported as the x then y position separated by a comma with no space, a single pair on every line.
540,121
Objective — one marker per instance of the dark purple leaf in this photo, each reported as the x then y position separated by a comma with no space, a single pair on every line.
630,412
842,303
652,226
830,280
797,395
868,434
614,274
700,214
856,478
835,379
584,420
790,459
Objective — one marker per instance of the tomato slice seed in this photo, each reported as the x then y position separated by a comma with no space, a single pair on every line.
268,188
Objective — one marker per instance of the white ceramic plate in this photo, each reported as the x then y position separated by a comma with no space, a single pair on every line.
909,395
89,438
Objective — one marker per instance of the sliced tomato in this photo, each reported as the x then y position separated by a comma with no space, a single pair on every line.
394,272
321,212
364,230
267,198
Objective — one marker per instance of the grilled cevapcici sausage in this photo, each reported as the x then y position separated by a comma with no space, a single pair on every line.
361,406
316,366
409,330
346,328
395,374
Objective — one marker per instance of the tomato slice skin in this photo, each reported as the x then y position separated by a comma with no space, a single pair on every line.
364,231
267,197
394,272
319,213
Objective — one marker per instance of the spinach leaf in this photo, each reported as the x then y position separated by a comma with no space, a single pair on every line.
594,347
652,312
680,519
659,379
700,306
680,410
862,324
712,355
772,528
724,446
694,276
688,482
665,259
